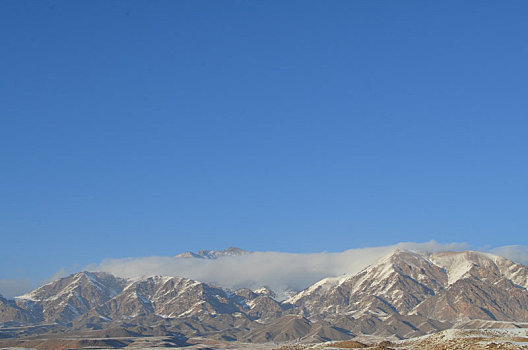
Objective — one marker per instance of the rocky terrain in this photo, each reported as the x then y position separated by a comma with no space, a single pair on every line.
404,295
452,339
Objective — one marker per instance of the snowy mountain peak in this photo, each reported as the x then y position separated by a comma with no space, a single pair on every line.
460,265
213,254
265,291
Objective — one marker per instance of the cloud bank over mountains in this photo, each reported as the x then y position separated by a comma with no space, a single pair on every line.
276,270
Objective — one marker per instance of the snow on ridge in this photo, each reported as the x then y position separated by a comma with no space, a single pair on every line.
213,254
325,284
456,265
318,287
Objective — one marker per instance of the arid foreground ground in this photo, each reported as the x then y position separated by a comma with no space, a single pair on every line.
507,339
446,340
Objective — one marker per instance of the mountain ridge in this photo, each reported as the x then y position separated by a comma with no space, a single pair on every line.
213,254
405,294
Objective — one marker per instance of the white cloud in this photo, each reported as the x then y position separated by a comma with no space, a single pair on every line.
63,272
517,253
278,271
10,287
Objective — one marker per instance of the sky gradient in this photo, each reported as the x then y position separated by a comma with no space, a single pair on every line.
139,128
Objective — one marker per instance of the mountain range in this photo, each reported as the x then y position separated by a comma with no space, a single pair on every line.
405,294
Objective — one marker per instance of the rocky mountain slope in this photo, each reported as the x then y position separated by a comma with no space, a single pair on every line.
405,294
11,313
417,289
64,300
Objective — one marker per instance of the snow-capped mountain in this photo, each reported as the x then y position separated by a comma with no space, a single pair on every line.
68,298
93,297
397,283
213,254
170,297
480,286
444,286
404,294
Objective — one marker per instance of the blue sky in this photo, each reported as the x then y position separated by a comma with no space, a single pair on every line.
138,128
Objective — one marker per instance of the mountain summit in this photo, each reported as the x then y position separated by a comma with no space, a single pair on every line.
213,254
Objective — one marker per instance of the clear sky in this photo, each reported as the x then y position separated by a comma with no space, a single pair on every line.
137,128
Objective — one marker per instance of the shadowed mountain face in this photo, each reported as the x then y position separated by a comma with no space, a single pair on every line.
408,294
443,286
11,313
405,294
68,298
